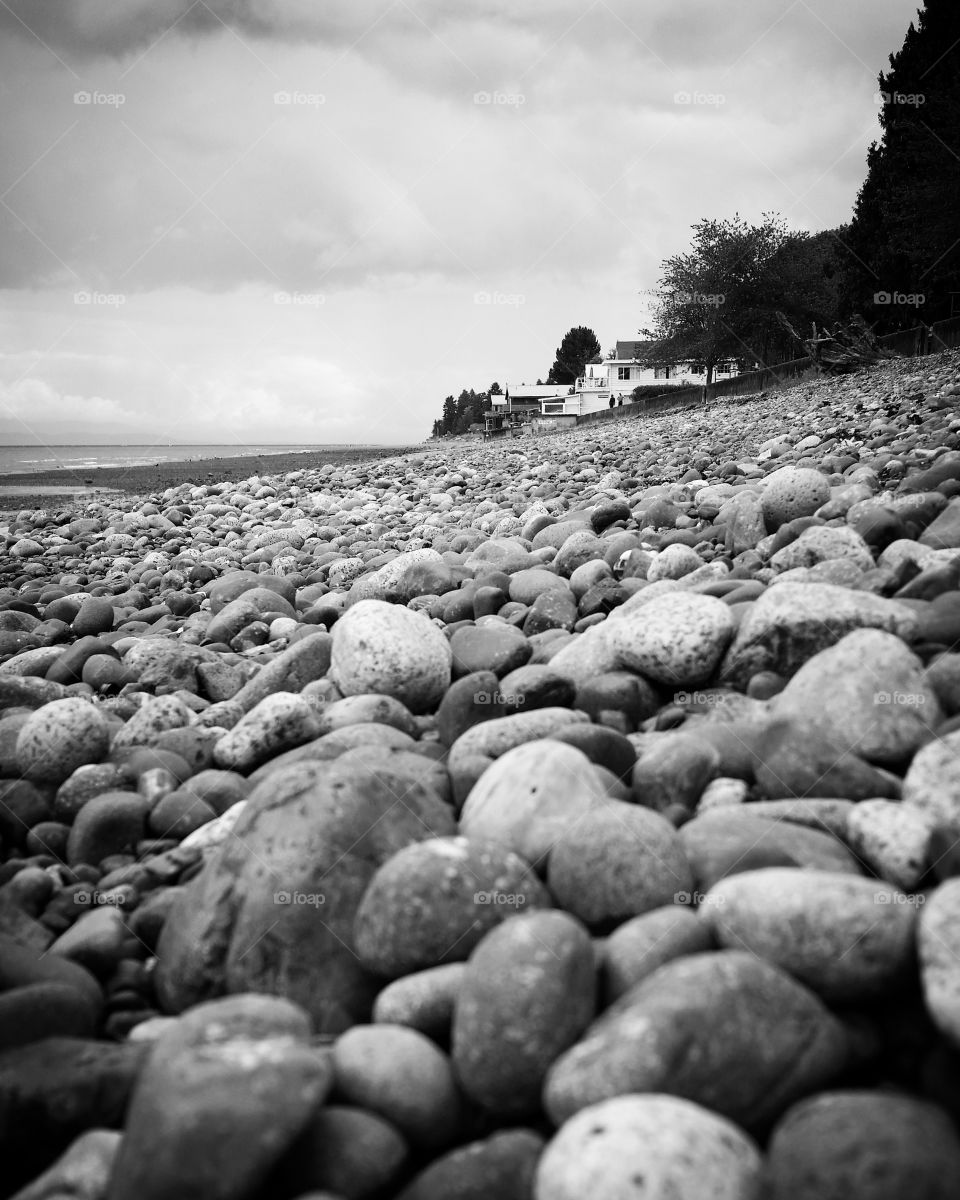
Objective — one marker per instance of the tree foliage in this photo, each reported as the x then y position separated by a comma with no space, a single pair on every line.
903,240
719,300
579,345
466,410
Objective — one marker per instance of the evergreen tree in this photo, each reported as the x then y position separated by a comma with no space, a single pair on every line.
579,345
906,225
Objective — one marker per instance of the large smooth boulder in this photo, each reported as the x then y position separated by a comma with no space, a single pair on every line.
273,908
791,622
724,1029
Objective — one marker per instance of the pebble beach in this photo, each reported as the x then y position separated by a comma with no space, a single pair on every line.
549,818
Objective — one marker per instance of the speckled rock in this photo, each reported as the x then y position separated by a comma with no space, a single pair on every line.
59,737
279,722
305,848
157,715
432,902
724,1029
496,647
676,639
111,823
932,782
847,938
527,994
868,1145
824,543
651,1147
791,622
638,947
81,1173
938,941
361,710
674,562
257,1091
792,492
402,1076
344,1151
380,647
622,861
893,839
726,840
501,1165
674,769
869,691
531,796
424,1000
491,739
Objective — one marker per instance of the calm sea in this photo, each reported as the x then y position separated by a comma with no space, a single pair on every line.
27,460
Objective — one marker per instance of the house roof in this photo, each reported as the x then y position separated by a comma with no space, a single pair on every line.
634,349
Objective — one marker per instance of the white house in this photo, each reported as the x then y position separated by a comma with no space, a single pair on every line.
603,379
617,376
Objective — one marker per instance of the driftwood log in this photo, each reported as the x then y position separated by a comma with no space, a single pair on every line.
841,349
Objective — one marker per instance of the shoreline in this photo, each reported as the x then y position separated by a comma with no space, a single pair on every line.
18,490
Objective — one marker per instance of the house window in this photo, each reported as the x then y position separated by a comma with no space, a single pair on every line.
699,369
623,372
661,372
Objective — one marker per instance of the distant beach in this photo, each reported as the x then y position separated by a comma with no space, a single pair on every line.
52,482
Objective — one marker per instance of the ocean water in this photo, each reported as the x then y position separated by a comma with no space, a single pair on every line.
28,460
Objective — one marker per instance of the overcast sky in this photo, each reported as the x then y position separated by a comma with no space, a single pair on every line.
263,220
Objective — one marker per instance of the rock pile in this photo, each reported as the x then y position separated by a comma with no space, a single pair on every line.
548,819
